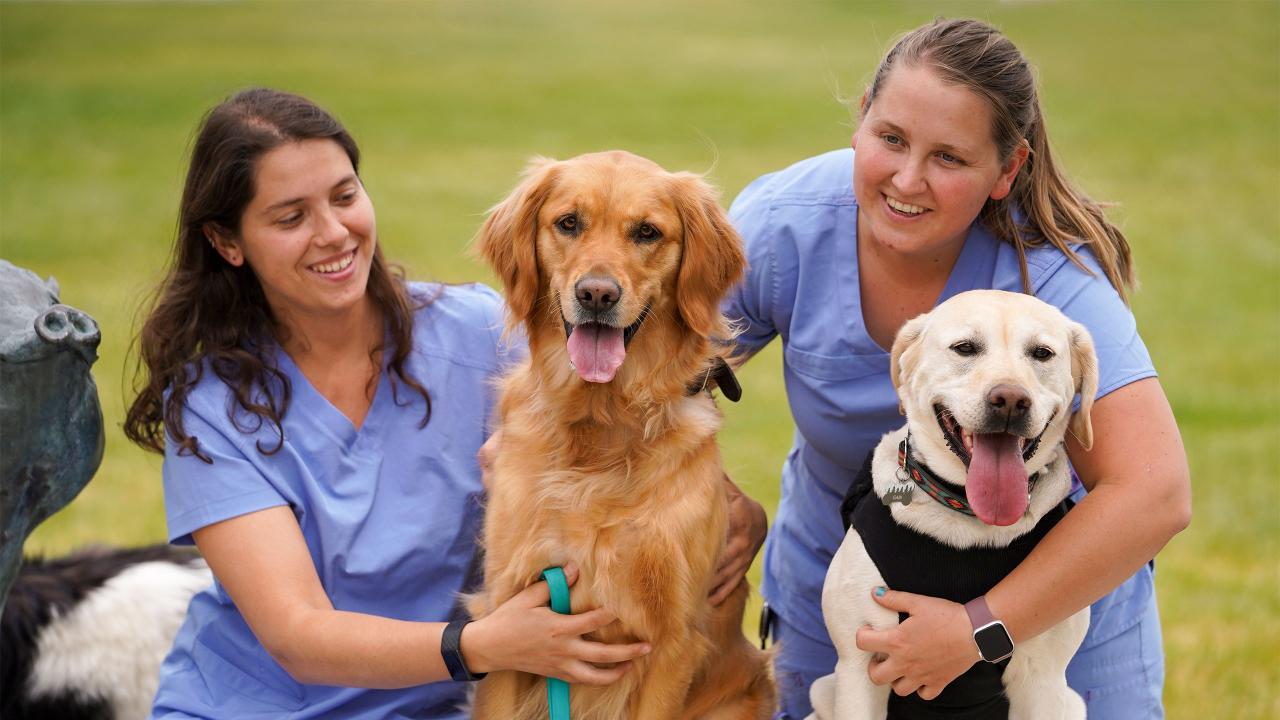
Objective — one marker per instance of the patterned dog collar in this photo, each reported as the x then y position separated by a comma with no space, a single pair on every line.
933,486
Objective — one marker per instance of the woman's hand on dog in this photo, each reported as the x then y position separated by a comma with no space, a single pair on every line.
926,651
525,634
747,527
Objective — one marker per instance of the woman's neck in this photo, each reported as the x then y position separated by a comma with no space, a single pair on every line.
908,270
338,354
896,286
329,338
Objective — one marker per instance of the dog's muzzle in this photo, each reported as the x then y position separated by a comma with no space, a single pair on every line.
954,434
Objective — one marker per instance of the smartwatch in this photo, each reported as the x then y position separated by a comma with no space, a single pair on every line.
994,642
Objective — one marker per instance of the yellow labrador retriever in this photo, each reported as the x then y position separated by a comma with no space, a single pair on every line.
949,503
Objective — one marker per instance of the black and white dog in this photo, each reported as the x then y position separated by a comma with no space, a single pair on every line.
82,636
951,502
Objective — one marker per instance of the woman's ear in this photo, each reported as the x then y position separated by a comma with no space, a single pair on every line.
1009,173
1084,372
224,243
508,239
711,257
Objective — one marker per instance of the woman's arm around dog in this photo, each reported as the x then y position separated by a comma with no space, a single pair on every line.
261,560
748,526
1139,498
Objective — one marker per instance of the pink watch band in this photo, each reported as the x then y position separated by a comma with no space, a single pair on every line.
979,613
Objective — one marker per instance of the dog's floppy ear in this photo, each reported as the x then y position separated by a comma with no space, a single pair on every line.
509,236
711,260
1084,372
903,357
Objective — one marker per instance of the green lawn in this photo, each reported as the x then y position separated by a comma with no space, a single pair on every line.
1171,109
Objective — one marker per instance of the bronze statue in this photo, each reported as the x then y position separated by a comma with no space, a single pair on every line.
51,436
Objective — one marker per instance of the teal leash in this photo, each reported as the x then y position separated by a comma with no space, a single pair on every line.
557,689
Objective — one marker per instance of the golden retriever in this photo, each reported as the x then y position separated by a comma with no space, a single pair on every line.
616,268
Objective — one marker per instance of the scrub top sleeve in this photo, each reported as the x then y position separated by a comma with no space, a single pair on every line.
749,306
198,494
1091,301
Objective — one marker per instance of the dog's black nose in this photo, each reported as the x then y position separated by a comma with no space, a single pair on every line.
597,294
1010,401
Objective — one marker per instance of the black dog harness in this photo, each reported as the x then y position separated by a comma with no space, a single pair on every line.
917,563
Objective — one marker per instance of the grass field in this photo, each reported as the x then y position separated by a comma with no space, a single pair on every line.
1172,109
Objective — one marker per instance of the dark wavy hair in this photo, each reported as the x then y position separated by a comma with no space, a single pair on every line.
209,312
974,55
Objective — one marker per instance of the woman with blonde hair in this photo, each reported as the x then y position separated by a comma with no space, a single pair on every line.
950,186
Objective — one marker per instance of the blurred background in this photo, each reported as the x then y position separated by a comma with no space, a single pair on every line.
1172,110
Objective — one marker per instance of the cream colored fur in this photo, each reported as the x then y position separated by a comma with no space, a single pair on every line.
926,371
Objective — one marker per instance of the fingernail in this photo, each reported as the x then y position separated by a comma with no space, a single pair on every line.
645,650
880,591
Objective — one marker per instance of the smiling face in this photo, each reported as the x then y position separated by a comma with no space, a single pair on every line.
604,248
986,380
609,239
925,164
308,234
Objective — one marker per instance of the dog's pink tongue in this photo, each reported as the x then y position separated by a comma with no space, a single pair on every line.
997,480
596,351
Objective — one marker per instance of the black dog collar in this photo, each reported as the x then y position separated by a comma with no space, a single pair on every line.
724,379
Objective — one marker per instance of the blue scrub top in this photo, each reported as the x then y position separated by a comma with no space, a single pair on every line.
800,228
390,513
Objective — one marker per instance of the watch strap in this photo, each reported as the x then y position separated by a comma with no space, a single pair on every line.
451,651
984,624
978,611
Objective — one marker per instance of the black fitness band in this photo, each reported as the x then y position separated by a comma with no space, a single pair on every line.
451,651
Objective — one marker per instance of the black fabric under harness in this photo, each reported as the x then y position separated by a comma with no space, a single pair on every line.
917,563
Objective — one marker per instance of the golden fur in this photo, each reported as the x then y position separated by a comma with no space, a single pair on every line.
622,478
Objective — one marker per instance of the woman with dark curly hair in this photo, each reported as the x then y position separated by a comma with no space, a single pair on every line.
320,419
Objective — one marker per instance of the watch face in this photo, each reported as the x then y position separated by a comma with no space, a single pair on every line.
993,641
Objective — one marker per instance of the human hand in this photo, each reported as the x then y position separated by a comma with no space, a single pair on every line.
524,634
747,528
926,651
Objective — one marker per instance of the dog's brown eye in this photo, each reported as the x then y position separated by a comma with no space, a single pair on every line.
568,224
965,348
1041,353
646,233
